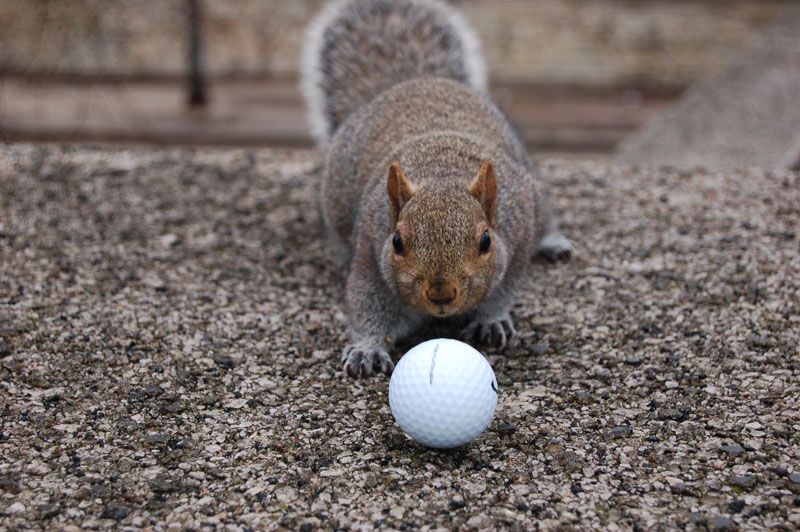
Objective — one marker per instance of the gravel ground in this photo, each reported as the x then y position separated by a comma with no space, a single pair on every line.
170,330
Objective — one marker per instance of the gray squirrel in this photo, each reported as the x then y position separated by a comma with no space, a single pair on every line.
431,202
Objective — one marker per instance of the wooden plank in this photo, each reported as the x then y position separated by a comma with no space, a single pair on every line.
271,112
597,42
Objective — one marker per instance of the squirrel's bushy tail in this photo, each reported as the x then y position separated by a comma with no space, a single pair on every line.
356,49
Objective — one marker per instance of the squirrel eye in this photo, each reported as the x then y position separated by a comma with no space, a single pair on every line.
397,242
486,242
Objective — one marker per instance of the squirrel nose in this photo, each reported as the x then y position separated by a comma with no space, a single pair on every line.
441,293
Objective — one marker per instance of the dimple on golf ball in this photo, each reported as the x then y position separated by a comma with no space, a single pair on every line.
443,393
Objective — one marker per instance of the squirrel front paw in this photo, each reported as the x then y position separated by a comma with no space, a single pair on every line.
495,332
366,357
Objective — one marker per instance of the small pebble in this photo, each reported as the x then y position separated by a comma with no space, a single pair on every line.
158,439
506,428
16,508
696,517
755,340
680,489
736,505
174,407
619,432
128,424
456,504
99,491
672,414
153,391
540,348
746,482
162,485
780,471
117,513
733,450
722,522
9,485
225,362
48,511
136,396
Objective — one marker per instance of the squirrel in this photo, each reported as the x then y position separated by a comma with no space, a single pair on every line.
431,203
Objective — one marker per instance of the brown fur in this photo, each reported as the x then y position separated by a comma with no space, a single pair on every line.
484,188
435,162
441,231
399,188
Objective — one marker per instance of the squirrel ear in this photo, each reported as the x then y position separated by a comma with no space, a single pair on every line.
484,189
400,191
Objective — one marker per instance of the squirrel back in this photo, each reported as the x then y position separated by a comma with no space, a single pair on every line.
357,49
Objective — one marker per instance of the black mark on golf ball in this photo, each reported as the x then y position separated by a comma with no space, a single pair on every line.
494,387
433,364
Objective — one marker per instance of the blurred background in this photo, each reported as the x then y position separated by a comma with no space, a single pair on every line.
578,76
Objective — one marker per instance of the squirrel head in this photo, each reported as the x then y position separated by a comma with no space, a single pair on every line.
443,253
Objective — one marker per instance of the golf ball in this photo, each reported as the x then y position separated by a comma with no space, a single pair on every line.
443,393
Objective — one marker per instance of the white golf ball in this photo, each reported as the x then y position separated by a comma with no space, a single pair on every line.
443,393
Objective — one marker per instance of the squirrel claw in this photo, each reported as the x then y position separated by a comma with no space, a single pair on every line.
362,360
496,333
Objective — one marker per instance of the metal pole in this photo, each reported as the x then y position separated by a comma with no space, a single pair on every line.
197,83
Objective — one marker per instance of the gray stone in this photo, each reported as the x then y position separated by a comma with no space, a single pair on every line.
746,116
733,450
721,522
745,482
